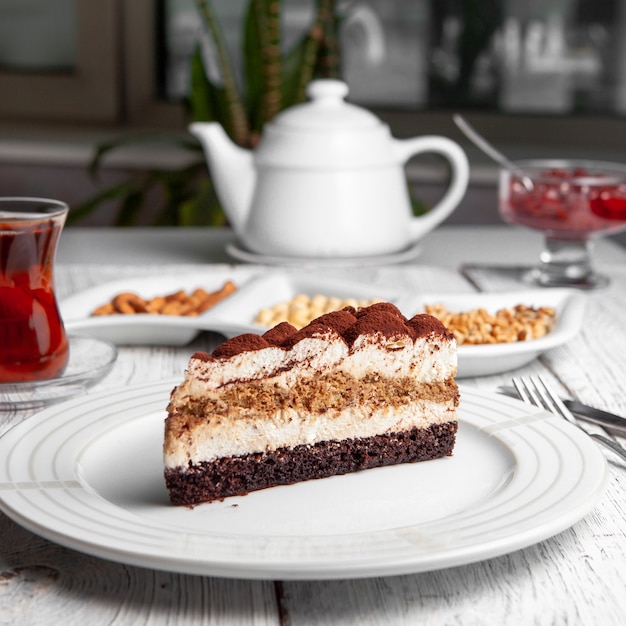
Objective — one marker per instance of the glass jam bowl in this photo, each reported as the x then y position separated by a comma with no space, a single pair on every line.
572,202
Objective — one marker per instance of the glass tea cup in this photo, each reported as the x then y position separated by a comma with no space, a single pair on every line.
33,341
572,202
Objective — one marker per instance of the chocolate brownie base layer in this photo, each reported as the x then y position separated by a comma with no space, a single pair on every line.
232,476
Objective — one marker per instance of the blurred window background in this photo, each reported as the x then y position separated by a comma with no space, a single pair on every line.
59,60
537,77
38,36
546,57
510,56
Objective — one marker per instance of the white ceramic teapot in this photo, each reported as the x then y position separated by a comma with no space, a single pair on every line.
326,180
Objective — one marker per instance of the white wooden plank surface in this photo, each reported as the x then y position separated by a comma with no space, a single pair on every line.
576,577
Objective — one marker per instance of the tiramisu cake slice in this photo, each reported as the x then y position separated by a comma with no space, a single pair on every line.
351,391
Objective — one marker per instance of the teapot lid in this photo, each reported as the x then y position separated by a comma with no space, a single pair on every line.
326,133
326,110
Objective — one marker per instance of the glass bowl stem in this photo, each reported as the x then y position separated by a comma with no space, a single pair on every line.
566,263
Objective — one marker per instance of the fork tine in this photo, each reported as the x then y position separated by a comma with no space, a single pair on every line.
522,390
527,390
554,400
534,390
547,397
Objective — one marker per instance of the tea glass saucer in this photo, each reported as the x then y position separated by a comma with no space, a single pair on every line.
90,360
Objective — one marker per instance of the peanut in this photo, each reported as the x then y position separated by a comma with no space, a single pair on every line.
507,325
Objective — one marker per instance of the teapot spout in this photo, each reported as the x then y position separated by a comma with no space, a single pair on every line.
232,171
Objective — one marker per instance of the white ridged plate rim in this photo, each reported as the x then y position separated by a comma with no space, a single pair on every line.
518,476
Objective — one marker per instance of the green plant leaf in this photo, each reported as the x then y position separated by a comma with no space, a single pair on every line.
269,27
418,206
252,68
303,59
328,61
111,193
129,209
176,187
234,109
292,67
203,208
184,141
200,98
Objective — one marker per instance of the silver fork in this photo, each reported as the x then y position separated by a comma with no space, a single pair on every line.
534,390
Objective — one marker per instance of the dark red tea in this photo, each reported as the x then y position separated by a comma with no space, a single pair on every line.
33,342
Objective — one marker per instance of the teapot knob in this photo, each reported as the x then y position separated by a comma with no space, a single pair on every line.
327,89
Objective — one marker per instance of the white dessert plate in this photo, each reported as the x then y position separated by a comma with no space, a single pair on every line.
486,359
88,474
90,360
402,256
232,316
144,329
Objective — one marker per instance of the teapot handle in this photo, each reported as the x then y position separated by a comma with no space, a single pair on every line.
406,148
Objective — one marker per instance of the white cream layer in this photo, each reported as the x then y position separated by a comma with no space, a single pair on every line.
427,360
209,441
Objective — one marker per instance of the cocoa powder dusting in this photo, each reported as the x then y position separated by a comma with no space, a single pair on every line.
339,320
384,308
242,343
202,356
424,324
279,334
310,330
381,318
385,320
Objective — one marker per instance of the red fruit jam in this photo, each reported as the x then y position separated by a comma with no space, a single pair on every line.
33,342
567,202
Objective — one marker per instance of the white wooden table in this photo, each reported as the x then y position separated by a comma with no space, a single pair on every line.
576,577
